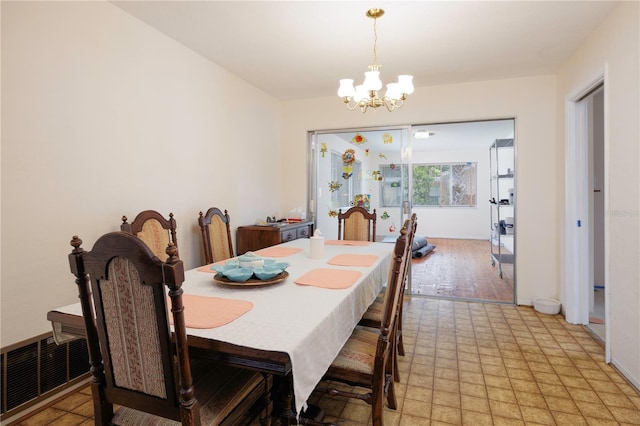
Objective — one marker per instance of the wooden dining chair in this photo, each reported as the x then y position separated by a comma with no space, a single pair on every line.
216,235
141,371
152,228
357,224
373,315
366,360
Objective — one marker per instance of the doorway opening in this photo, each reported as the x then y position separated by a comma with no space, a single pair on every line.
585,270
442,172
595,126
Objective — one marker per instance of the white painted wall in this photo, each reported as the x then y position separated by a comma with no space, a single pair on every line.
614,50
102,116
532,101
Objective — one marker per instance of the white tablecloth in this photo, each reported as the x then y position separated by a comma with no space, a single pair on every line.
310,324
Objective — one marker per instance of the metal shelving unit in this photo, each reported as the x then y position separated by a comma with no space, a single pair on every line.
502,202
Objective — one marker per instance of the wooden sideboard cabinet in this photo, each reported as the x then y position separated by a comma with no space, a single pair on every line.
252,238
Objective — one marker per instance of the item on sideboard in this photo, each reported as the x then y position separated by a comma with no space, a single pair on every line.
316,245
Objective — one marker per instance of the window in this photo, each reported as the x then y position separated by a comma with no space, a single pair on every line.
451,184
441,185
350,187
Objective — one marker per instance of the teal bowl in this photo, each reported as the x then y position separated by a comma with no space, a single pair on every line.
224,269
267,272
279,265
239,274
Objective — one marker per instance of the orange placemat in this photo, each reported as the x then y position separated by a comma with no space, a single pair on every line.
353,260
346,243
329,278
210,312
278,251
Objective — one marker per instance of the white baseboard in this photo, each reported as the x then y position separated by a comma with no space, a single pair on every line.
628,376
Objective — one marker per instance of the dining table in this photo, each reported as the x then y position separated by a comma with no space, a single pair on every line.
293,326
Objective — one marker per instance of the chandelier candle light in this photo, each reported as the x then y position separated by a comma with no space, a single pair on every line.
366,95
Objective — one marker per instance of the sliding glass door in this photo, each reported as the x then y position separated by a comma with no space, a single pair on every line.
438,171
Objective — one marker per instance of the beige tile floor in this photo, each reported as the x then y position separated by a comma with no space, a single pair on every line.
483,364
475,364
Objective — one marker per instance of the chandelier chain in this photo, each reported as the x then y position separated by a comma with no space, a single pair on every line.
375,42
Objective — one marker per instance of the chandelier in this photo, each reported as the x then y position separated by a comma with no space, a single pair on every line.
365,95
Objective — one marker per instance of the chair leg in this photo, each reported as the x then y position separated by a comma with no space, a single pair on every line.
377,402
396,370
400,343
392,401
397,339
390,375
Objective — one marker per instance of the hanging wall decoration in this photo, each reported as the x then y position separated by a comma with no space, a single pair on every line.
392,228
358,139
381,155
384,215
377,175
333,213
366,152
334,186
348,158
362,200
323,149
387,138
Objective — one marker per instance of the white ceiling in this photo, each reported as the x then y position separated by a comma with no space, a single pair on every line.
300,49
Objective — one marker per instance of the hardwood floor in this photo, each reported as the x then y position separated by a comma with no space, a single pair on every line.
461,269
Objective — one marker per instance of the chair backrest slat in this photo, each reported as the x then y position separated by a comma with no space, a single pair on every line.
129,314
215,227
357,224
152,228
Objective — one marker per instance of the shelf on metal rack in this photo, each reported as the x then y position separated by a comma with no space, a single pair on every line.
503,257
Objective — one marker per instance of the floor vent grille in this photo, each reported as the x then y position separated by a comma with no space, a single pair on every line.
36,369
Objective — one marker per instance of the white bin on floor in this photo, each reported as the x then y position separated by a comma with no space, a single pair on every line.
547,306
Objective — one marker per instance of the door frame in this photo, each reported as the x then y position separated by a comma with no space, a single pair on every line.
406,155
578,237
